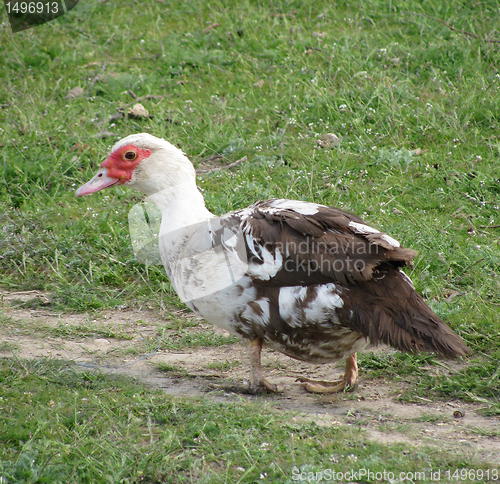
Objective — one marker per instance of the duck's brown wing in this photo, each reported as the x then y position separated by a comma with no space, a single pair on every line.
293,243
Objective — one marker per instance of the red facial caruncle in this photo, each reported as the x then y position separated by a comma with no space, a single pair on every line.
122,162
117,169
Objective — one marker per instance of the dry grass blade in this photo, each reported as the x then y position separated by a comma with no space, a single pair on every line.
224,167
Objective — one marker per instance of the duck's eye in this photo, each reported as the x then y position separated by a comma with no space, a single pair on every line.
130,155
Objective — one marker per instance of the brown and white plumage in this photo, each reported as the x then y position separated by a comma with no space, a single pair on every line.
314,282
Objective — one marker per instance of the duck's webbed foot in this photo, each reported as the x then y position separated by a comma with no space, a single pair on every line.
258,383
346,384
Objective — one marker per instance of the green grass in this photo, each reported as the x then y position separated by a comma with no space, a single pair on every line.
72,331
87,329
62,425
177,340
223,365
172,370
432,377
388,78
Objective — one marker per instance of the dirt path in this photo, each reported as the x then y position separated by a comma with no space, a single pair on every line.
220,373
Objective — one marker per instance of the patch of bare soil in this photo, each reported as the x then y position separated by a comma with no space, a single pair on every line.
220,374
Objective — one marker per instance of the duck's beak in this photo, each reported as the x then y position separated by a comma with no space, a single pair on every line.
100,181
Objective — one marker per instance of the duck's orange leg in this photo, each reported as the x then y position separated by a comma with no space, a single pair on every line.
346,384
258,382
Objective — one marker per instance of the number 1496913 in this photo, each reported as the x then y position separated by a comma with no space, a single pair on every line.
471,474
32,7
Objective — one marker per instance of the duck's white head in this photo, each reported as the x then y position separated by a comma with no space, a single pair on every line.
142,162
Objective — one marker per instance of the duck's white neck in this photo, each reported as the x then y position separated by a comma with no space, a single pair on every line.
169,180
181,206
